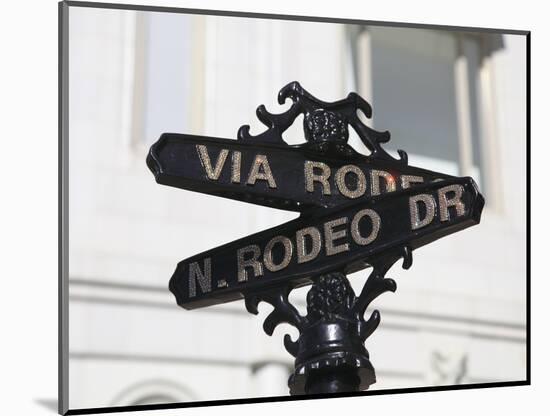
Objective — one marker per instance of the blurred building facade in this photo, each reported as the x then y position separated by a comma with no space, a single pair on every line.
454,101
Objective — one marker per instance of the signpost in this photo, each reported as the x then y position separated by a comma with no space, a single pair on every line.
357,211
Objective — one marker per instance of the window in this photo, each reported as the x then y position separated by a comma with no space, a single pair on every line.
424,86
168,58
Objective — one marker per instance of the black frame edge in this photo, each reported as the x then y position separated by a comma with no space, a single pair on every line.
257,15
294,398
63,300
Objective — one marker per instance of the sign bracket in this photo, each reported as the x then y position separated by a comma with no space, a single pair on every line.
330,356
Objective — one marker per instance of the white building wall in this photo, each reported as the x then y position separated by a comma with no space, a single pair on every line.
462,305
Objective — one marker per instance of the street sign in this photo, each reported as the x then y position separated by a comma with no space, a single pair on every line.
355,210
277,175
342,238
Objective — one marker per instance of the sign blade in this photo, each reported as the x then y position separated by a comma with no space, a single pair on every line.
343,238
295,178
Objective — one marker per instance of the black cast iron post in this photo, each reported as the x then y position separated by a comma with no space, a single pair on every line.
330,355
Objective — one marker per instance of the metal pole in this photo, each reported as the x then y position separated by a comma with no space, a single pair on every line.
330,352
332,382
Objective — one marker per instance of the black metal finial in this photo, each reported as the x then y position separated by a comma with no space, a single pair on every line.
324,122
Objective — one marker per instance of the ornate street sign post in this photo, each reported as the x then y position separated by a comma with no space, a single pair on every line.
356,211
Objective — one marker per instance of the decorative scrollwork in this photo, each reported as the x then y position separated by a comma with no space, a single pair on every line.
324,123
333,332
283,310
325,126
329,297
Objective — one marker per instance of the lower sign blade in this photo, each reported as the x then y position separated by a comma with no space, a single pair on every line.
343,238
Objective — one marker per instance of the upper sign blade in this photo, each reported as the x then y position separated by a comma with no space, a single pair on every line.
278,175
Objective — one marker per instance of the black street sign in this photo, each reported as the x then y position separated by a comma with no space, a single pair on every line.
343,238
356,211
277,175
